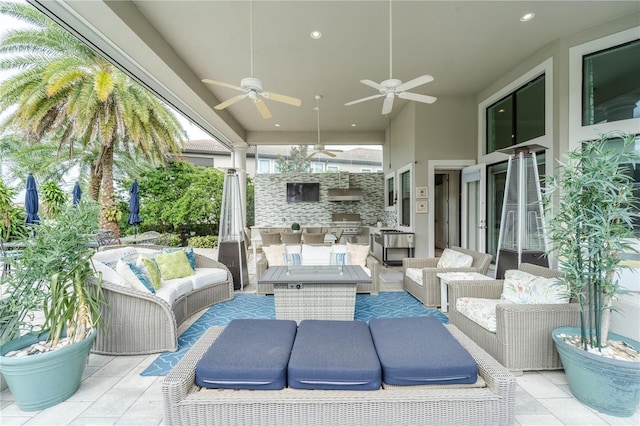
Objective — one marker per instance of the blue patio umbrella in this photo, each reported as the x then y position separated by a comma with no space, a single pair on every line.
31,201
77,193
134,207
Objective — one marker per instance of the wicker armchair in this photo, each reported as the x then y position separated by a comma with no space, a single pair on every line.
290,237
313,238
429,292
522,340
269,238
138,323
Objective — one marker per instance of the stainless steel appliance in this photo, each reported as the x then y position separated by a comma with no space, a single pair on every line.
349,223
390,246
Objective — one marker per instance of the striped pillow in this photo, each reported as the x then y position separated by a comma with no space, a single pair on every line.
292,258
339,259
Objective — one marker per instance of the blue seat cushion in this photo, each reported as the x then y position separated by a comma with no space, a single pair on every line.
420,351
334,355
248,354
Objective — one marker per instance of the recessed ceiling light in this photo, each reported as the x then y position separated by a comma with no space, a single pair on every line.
353,124
316,34
277,125
527,17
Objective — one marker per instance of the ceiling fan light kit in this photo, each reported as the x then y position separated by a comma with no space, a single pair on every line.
319,148
393,87
252,87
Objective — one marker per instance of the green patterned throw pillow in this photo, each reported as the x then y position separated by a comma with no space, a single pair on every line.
150,268
173,265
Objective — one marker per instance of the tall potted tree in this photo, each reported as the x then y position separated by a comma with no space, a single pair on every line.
51,308
590,228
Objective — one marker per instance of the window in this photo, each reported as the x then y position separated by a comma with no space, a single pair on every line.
391,191
517,117
365,170
610,84
317,167
264,166
333,168
405,198
617,144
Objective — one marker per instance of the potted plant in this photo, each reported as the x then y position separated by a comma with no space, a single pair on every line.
295,226
49,302
590,228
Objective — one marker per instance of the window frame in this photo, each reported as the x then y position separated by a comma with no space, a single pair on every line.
577,132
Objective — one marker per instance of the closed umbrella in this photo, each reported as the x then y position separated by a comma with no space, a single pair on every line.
31,201
134,207
77,193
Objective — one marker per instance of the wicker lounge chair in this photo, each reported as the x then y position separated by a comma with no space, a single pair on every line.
429,292
522,340
187,404
137,322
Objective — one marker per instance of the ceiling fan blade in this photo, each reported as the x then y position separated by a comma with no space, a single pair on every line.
220,83
357,101
387,106
262,108
418,81
372,84
329,153
282,98
417,97
311,155
230,102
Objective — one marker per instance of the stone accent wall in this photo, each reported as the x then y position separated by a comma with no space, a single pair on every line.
271,207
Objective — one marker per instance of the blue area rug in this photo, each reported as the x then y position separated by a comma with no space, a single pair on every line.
385,305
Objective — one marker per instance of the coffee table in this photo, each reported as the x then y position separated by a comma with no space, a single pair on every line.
446,277
314,292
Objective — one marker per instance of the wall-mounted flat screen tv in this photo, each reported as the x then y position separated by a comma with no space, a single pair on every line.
303,192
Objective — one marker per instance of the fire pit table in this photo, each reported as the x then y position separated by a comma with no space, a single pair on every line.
314,292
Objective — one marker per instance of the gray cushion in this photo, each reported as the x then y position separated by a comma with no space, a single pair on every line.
334,355
419,351
249,354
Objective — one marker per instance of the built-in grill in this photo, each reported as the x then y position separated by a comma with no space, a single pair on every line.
349,223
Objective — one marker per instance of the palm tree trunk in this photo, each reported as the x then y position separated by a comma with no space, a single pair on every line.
96,180
108,210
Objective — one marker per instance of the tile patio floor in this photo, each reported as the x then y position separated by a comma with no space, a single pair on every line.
114,393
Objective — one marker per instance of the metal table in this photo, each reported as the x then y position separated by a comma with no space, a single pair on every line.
314,292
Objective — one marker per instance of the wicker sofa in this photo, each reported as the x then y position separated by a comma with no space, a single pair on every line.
372,268
429,291
187,404
522,340
139,322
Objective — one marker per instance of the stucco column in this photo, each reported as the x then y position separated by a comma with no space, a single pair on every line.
240,163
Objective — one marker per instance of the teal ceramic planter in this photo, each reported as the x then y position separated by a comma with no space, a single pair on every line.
40,381
607,385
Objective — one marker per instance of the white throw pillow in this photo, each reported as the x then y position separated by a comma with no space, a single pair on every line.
316,255
358,253
454,259
524,288
274,254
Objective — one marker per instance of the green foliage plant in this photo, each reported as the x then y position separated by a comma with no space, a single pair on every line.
295,226
592,225
53,199
11,216
297,162
203,241
53,277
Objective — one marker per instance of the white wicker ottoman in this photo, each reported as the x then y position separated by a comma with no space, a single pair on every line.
187,404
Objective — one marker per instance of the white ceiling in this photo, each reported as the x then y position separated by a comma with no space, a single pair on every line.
464,45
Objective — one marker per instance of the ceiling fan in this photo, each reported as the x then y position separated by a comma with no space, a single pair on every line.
252,87
389,89
320,148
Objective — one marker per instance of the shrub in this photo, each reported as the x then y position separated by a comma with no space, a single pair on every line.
203,241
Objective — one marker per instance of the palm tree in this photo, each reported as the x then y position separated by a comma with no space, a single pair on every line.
63,91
